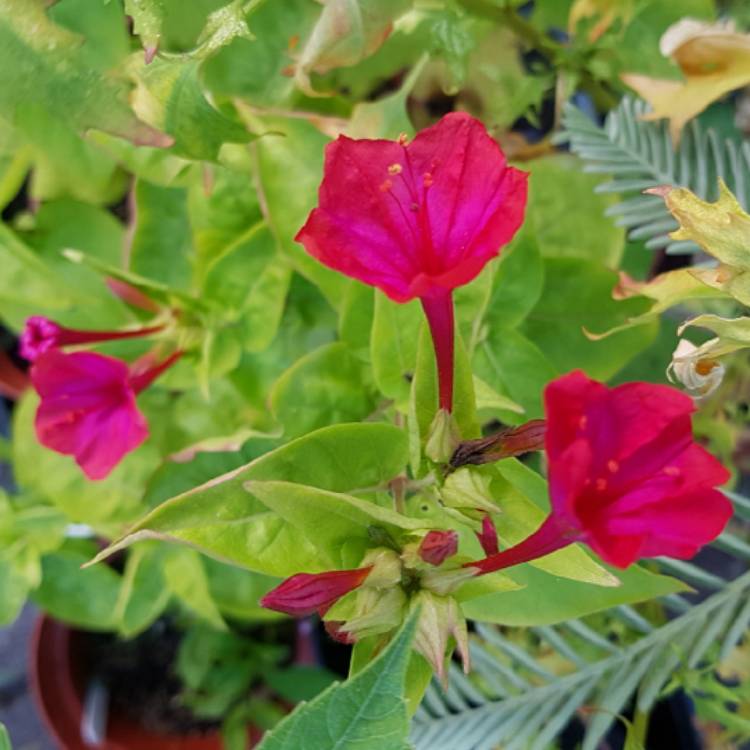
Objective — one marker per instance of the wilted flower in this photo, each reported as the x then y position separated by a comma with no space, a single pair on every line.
700,375
625,475
418,219
88,407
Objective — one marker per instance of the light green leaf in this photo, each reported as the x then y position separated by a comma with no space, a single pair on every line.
161,248
14,588
170,97
323,387
546,599
4,738
567,217
393,347
83,598
368,710
148,17
143,595
43,65
185,577
335,523
577,295
293,147
221,519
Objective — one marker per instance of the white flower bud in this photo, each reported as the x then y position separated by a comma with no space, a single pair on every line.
700,375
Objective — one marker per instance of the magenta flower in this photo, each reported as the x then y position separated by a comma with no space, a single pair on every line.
418,219
41,334
307,593
625,476
88,409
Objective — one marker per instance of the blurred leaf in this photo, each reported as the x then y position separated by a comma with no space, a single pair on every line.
44,66
294,147
346,32
170,97
222,519
15,589
567,217
393,347
5,743
143,595
185,577
161,248
148,17
238,592
577,295
82,598
369,709
299,683
324,387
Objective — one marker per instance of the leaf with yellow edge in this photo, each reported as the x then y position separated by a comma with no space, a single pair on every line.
722,229
602,14
666,290
714,59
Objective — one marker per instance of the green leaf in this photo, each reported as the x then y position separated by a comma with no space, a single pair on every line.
223,520
161,249
368,710
507,359
82,598
294,147
143,595
4,738
44,66
335,523
185,577
393,347
577,295
148,17
567,217
15,588
237,592
323,387
170,97
547,599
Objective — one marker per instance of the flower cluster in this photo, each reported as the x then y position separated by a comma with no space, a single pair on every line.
625,475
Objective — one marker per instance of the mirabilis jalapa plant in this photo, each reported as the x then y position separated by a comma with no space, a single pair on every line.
417,220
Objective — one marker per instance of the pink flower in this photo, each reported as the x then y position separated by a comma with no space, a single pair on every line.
88,408
307,593
625,476
437,546
42,334
418,219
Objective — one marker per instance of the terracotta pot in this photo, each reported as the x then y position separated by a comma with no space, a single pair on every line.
58,682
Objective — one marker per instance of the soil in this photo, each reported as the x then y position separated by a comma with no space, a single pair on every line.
140,677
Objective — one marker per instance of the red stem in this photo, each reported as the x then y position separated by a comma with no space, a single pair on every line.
439,312
70,336
548,538
139,381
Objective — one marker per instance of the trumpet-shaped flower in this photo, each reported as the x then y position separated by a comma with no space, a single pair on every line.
41,334
626,476
88,409
417,219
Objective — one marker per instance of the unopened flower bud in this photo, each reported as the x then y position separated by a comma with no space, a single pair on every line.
443,437
306,593
437,546
488,536
700,375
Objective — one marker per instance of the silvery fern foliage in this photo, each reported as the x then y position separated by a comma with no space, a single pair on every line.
512,700
639,154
